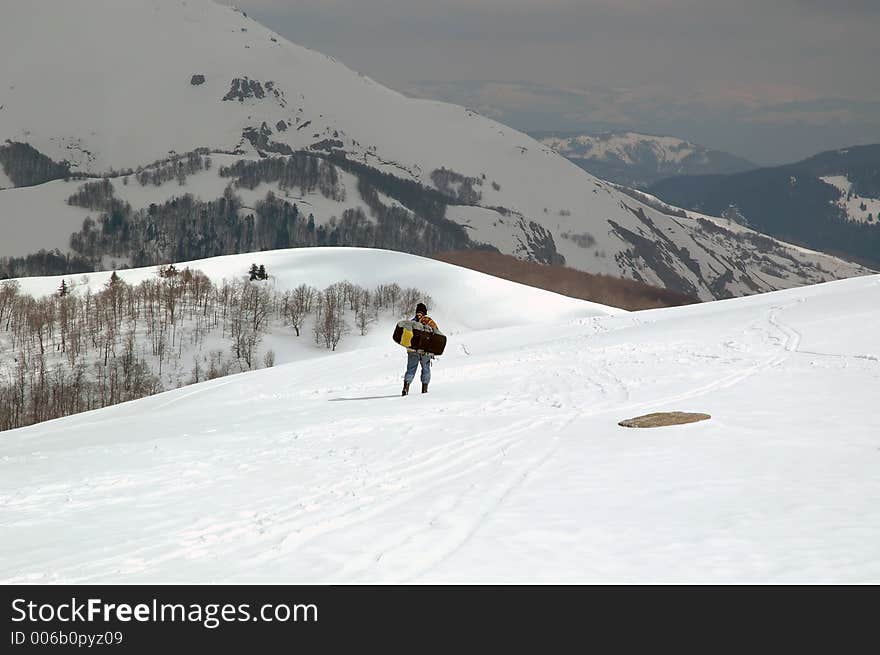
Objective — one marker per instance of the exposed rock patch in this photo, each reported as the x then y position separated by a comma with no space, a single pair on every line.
244,88
327,144
662,419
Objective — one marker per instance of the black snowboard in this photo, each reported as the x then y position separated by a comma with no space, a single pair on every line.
419,337
429,342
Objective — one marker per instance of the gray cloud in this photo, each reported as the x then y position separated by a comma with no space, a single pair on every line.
706,62
758,124
842,7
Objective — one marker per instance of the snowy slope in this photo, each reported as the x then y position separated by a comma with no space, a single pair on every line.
38,217
856,208
512,469
167,76
469,300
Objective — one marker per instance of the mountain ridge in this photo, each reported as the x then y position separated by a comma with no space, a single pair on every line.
830,201
638,160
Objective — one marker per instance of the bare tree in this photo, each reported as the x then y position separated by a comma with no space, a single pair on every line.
330,320
298,305
363,316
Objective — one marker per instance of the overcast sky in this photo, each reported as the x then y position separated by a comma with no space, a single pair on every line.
771,80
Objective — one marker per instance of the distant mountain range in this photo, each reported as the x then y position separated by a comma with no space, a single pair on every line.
639,160
829,202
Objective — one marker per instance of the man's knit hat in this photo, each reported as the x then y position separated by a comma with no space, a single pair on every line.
421,309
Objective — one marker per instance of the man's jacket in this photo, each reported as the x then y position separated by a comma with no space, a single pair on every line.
427,320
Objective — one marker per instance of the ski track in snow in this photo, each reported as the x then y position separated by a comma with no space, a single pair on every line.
435,467
792,338
420,488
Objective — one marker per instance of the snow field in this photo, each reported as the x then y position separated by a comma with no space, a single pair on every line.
512,468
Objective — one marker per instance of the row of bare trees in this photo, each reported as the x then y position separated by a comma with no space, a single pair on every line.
85,348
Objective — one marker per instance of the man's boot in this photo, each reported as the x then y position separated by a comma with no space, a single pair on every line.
424,387
405,389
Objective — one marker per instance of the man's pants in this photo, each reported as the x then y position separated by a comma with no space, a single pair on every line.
412,363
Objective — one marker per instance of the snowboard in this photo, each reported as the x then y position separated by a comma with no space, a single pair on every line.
419,337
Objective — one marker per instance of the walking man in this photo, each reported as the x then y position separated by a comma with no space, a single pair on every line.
415,358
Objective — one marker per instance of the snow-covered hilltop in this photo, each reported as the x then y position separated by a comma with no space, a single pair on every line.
512,469
75,344
639,160
469,300
168,98
856,208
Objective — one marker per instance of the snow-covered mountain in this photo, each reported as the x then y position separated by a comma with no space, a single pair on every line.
173,97
511,469
638,160
829,201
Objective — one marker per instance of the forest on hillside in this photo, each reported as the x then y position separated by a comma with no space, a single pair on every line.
187,228
81,349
